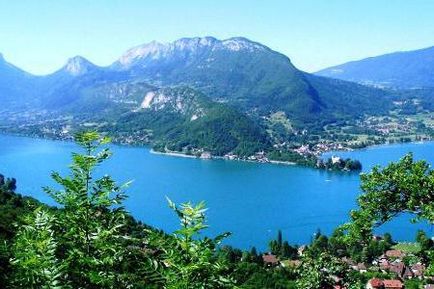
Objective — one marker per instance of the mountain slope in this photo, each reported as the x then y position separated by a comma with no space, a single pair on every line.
346,99
65,85
250,76
182,119
171,118
410,69
15,84
237,71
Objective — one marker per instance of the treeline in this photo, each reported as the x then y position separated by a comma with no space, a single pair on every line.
333,164
291,156
216,127
339,164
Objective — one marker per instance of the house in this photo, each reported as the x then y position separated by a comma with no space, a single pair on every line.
408,274
304,149
384,264
338,282
270,260
301,250
393,284
394,254
374,283
231,156
377,238
206,155
397,268
335,159
361,268
418,270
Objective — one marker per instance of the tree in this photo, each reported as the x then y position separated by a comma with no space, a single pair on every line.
426,245
279,238
420,236
190,261
274,247
286,250
319,244
254,256
84,238
387,237
336,244
35,263
86,243
404,186
320,272
13,209
8,184
89,226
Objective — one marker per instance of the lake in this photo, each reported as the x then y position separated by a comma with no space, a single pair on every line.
253,201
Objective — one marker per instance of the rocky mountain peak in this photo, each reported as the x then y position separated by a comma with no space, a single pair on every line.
241,43
156,50
78,65
152,49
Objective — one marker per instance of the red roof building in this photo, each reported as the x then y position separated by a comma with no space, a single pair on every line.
270,259
375,283
397,268
408,274
393,284
418,270
384,264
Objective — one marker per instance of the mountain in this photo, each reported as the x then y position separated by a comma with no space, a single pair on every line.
247,75
237,71
65,86
15,84
194,94
409,70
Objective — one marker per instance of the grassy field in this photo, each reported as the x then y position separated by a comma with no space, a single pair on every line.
412,248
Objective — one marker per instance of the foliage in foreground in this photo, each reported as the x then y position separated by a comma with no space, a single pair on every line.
406,186
87,243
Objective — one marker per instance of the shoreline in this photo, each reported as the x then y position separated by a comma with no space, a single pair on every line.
182,155
173,154
213,158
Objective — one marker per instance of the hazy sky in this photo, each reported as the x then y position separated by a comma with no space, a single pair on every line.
40,35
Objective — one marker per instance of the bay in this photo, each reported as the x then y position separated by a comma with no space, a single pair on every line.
251,200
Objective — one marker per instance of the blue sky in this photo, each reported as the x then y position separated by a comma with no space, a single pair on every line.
40,35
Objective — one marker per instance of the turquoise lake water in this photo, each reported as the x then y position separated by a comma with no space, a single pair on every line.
250,200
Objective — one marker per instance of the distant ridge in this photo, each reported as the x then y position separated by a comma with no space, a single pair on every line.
408,70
